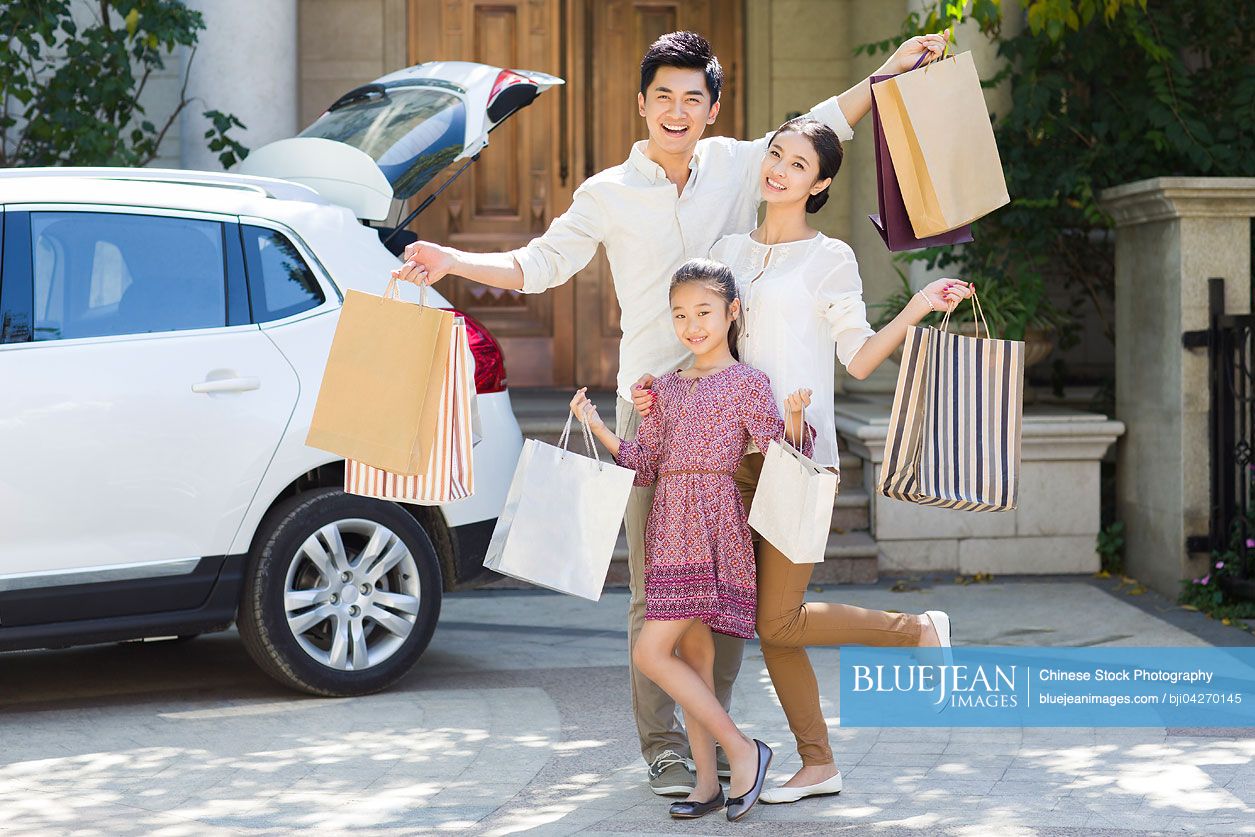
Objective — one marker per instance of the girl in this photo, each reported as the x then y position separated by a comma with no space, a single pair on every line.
803,303
699,559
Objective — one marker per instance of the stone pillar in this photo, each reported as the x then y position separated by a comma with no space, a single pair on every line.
244,64
1172,233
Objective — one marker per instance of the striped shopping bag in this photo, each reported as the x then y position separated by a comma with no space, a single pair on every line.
451,475
954,431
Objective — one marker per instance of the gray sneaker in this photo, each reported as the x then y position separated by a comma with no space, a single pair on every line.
670,775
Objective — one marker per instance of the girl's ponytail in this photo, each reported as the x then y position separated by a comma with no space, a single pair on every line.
716,277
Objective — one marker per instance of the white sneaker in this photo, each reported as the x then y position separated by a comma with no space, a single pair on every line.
777,796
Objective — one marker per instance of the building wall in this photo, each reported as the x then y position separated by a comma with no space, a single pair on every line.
344,44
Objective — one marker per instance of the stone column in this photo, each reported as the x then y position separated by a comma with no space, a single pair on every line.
244,64
1172,233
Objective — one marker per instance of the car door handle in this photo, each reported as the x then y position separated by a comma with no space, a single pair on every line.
228,385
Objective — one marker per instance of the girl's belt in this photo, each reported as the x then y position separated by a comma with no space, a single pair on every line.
693,471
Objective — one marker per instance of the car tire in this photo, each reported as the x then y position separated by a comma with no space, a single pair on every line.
342,594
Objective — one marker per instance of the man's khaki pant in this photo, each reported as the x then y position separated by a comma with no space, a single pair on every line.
657,717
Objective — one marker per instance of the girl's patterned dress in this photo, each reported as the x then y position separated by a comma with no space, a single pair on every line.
699,560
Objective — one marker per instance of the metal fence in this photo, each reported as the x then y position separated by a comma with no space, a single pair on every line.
1230,344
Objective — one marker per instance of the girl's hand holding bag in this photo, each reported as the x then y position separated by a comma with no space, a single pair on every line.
793,503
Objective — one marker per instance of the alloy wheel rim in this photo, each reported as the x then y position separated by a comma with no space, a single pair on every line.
351,596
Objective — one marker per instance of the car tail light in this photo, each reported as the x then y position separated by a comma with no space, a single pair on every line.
489,361
504,79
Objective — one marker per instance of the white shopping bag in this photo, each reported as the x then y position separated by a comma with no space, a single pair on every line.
561,518
792,505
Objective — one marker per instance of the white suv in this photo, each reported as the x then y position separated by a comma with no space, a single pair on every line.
162,338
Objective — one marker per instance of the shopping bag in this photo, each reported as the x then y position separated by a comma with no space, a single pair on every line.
450,475
561,518
939,136
792,506
379,401
955,427
892,222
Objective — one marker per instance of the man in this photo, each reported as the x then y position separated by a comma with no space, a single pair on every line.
670,201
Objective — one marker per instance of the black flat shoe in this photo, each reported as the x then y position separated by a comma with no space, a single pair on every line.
691,810
739,806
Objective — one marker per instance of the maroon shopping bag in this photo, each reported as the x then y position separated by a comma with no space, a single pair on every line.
893,224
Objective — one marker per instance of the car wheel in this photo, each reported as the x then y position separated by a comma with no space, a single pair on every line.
342,594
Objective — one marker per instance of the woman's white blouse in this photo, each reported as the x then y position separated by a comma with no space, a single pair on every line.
802,301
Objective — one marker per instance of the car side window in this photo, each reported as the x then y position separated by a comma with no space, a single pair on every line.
280,283
98,274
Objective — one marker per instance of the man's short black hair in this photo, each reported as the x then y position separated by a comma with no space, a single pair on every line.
688,51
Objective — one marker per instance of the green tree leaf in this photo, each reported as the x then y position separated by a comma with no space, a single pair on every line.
73,90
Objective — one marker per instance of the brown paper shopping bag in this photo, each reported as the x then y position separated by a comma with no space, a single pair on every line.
380,395
451,474
942,144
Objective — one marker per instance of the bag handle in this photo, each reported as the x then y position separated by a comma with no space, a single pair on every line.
977,311
945,53
393,291
564,439
803,432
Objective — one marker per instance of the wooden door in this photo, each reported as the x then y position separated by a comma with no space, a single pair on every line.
570,335
514,190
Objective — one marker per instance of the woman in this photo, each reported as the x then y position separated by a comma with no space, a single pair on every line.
802,302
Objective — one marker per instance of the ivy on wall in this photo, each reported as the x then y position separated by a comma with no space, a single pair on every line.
1103,92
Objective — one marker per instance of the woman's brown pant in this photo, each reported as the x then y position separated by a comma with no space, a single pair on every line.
787,624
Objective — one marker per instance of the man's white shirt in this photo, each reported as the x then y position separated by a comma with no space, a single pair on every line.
649,230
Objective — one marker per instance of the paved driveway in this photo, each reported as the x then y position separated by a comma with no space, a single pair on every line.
518,719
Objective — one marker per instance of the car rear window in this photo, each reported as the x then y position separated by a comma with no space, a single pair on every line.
412,132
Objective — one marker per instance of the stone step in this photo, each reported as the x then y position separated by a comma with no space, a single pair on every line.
851,469
852,511
851,558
